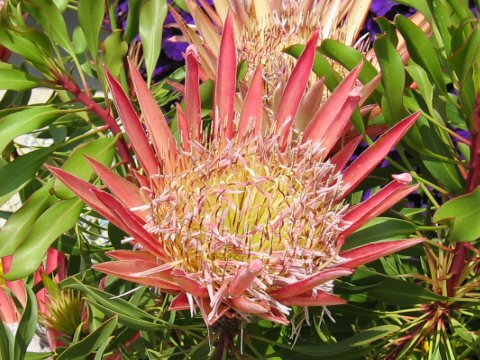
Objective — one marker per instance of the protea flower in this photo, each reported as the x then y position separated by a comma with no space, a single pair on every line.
241,220
267,27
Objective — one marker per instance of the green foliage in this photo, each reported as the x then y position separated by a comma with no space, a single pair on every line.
406,306
463,211
80,349
152,16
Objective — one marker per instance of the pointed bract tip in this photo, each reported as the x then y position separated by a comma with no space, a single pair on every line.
404,178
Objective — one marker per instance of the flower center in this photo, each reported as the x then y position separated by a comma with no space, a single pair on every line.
252,202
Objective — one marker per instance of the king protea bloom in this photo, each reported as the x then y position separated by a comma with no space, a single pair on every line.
242,220
266,28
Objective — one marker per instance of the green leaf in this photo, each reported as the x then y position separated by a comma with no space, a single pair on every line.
26,120
81,349
128,314
19,224
463,212
420,5
132,20
38,356
12,78
101,349
61,4
391,290
349,58
17,173
361,339
91,14
445,173
321,66
79,41
379,229
59,218
77,164
464,58
6,342
31,44
419,45
152,16
115,50
393,79
443,21
50,16
27,326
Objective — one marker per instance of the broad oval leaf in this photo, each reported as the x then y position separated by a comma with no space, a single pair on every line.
59,218
17,173
19,224
24,121
464,211
12,78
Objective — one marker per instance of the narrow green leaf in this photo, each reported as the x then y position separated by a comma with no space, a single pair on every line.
447,174
444,17
321,66
132,20
26,120
19,224
464,212
50,16
31,44
81,349
90,14
349,58
420,5
419,45
380,229
58,219
6,342
391,290
12,78
393,79
38,356
102,150
363,338
101,349
106,300
152,16
127,320
467,54
16,174
27,326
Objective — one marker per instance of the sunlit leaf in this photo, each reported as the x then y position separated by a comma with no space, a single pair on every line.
464,212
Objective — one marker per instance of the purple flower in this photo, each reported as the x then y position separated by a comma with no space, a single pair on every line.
382,7
385,8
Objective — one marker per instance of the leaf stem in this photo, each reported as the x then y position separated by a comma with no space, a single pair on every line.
70,85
